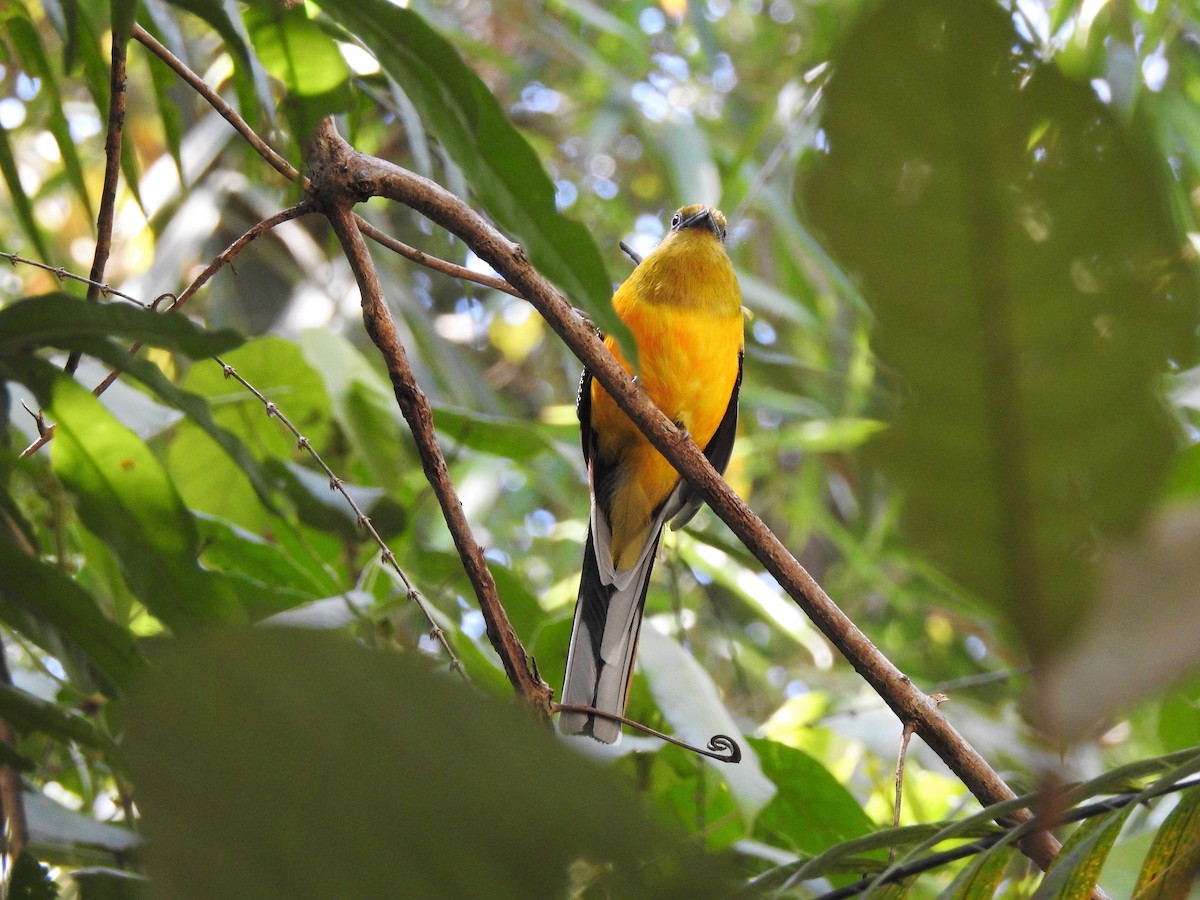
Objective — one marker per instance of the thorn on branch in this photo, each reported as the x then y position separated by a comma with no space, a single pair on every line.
272,410
334,482
387,557
303,443
44,430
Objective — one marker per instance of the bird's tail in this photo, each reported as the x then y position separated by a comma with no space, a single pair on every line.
604,641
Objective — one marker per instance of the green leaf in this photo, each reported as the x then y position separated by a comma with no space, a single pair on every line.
57,831
1174,858
504,171
122,13
27,713
363,404
811,811
979,880
30,880
296,51
690,701
231,549
20,200
99,883
244,720
502,436
166,86
1029,290
213,13
31,587
1076,869
33,55
60,320
125,497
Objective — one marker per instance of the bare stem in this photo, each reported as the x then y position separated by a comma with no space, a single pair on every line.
12,800
112,175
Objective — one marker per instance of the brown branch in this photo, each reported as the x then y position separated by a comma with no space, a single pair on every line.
367,176
112,173
332,172
12,799
421,258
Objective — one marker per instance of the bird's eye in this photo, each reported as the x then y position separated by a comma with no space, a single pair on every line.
675,220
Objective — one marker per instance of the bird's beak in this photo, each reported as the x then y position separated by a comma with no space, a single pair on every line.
703,218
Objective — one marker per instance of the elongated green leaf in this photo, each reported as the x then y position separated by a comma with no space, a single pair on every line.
499,435
812,811
125,498
1076,870
31,880
20,200
233,550
502,168
27,713
59,320
166,87
1029,288
979,880
215,15
1174,858
99,883
42,591
33,54
243,720
297,52
55,830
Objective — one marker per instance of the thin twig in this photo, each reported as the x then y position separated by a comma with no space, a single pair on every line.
421,258
112,174
901,756
338,484
329,162
12,800
905,737
62,274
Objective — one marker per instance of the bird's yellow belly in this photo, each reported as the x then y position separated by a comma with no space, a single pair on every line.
689,364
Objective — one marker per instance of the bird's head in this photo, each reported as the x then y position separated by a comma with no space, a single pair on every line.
701,217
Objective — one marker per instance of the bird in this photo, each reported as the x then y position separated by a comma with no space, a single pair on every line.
683,307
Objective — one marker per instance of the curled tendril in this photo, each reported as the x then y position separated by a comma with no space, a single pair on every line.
721,744
721,747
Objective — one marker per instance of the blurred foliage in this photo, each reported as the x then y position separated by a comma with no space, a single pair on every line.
174,503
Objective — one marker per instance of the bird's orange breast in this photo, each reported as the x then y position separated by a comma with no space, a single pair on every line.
683,308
